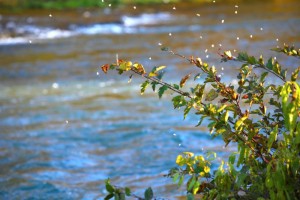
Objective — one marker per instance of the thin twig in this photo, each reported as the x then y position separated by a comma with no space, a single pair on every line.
186,94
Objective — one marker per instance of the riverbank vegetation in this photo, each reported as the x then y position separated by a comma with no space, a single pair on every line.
260,117
71,4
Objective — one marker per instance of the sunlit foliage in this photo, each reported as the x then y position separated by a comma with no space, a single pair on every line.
261,119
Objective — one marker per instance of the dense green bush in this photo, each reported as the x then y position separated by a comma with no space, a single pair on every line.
261,119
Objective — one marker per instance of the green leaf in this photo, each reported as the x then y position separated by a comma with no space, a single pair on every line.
200,91
231,158
180,180
283,74
154,83
242,155
191,183
242,56
148,194
269,64
295,74
144,86
187,110
211,95
175,177
290,108
117,196
252,60
196,187
263,76
241,178
109,187
127,191
162,90
273,137
178,101
200,121
176,86
109,196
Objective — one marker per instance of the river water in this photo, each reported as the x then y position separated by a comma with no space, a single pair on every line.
65,126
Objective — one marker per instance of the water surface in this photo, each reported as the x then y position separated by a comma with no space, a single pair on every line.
65,126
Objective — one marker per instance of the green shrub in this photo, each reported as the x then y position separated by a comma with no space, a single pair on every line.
261,119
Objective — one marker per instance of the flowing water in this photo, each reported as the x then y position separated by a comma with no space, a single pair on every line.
65,126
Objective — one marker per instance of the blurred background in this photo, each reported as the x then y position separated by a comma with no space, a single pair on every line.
65,126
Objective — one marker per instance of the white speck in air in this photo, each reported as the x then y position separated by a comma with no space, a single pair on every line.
237,38
179,144
222,21
277,39
150,58
235,12
159,44
174,8
207,56
134,7
222,68
97,73
55,85
251,36
212,45
170,34
50,15
201,37
30,41
261,28
109,5
206,50
198,14
67,121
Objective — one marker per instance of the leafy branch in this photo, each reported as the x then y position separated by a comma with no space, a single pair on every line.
266,130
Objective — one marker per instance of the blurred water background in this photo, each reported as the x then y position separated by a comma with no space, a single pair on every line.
65,126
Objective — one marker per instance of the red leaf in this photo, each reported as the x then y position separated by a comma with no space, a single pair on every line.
105,68
184,79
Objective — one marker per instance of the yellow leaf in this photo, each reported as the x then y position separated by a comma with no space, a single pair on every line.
151,74
159,68
199,62
180,160
228,54
139,68
206,169
199,158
